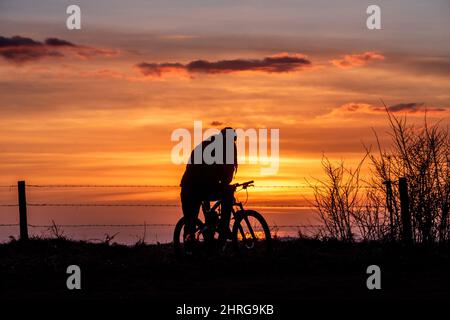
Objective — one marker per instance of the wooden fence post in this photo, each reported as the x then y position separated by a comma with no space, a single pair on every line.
406,215
388,184
22,210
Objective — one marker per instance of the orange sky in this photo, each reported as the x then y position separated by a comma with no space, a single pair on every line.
89,112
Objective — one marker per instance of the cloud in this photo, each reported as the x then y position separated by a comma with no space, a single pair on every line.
157,69
216,123
18,49
352,108
357,60
282,62
413,107
365,108
17,41
58,42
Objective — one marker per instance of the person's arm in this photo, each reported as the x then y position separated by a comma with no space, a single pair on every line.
227,173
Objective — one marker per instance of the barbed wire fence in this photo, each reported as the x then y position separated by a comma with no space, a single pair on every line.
145,225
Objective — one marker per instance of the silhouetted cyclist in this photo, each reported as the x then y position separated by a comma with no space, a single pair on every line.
206,180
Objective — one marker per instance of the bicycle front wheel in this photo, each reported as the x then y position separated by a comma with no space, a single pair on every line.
251,233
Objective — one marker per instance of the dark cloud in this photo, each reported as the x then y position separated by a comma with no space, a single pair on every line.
274,64
364,108
157,69
17,41
19,49
270,64
58,42
216,123
412,107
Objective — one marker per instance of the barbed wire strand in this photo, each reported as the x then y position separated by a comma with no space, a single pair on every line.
258,205
144,205
134,225
61,186
102,205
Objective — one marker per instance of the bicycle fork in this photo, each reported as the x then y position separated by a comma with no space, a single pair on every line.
249,242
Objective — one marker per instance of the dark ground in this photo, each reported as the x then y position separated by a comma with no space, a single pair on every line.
299,271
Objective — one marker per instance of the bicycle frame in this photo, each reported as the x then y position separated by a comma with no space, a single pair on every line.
206,207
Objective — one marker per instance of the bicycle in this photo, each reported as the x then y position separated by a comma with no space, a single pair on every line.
245,236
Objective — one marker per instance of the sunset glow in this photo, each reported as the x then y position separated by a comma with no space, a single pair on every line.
98,106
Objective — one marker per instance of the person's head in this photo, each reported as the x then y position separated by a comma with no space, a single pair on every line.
228,132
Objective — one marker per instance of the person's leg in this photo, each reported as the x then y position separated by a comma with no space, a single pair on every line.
227,204
190,204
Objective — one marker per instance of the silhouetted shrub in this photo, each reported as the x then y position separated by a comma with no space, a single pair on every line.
418,153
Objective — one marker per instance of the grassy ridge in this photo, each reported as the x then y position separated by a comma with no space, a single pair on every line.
298,269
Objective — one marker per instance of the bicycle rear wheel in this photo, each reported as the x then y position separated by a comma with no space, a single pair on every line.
178,236
251,233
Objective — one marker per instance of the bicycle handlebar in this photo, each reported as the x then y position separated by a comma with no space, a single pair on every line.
244,185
